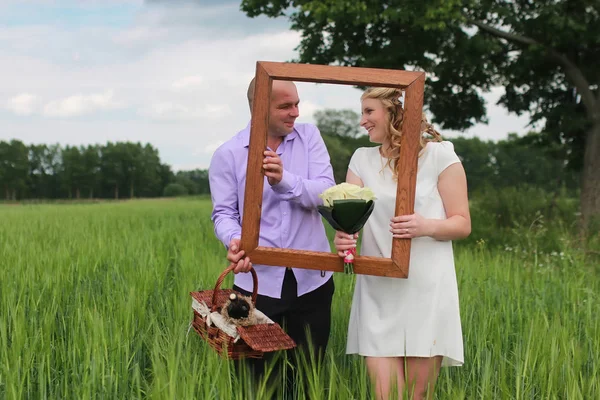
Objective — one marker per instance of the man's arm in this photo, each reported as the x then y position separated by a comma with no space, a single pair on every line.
224,194
320,176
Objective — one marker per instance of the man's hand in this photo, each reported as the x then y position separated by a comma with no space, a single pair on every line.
273,167
236,257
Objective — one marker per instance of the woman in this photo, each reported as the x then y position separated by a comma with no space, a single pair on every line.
407,328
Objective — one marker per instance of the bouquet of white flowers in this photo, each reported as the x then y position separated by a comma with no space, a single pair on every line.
347,208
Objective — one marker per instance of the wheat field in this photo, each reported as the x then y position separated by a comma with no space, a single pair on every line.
95,304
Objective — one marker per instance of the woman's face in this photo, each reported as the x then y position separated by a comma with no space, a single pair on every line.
375,120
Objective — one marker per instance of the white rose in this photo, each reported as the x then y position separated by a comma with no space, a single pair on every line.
351,191
346,191
367,194
331,194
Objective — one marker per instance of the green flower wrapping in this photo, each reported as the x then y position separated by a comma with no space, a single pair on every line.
347,208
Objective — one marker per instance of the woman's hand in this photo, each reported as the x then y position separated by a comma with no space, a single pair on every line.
344,241
410,226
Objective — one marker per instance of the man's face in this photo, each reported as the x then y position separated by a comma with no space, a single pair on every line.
283,110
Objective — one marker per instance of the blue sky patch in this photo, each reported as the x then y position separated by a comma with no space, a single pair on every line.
69,14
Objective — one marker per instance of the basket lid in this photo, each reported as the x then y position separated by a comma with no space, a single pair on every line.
266,337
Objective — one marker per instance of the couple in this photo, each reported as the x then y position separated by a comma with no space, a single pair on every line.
405,328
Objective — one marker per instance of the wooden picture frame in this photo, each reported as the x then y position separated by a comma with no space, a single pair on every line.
413,85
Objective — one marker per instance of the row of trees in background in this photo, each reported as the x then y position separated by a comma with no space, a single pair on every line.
128,170
115,170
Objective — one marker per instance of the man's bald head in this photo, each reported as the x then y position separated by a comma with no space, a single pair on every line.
278,86
251,93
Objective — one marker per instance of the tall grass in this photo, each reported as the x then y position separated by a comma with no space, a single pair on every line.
94,303
525,216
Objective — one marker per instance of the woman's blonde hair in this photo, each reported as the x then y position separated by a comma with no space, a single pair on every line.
392,103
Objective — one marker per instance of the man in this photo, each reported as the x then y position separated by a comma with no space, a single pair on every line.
297,169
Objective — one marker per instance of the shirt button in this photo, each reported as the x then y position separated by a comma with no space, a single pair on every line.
284,213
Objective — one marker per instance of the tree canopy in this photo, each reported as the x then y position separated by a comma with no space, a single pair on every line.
543,53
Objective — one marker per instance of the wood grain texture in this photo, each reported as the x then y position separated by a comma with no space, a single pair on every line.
408,163
254,172
324,261
340,75
413,83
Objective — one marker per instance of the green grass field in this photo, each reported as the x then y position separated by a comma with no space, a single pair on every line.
95,303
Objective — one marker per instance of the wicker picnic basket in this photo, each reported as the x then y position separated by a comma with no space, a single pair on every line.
254,341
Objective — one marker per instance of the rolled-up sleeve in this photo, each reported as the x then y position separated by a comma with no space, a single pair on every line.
305,191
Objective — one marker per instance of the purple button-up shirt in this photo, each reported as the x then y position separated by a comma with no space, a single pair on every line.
289,216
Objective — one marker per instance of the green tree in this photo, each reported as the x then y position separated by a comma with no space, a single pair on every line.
14,169
150,181
476,157
112,167
174,190
513,162
342,136
518,162
52,164
165,176
545,54
92,168
200,177
74,172
339,154
133,168
185,179
344,123
133,165
4,168
38,172
195,181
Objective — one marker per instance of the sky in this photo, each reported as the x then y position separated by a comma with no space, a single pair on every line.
170,73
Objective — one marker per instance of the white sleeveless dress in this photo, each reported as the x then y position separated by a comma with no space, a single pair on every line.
418,316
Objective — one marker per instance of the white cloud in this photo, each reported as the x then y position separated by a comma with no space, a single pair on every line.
170,111
139,35
23,104
307,109
81,104
216,110
209,149
179,89
187,83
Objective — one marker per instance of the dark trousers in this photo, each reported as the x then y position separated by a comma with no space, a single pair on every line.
297,315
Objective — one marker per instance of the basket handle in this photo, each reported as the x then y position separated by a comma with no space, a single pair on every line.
222,278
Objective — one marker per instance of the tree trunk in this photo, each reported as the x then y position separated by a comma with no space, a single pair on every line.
14,195
77,193
131,191
590,185
116,191
91,193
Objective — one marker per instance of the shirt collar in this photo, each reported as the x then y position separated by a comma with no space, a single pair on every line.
246,135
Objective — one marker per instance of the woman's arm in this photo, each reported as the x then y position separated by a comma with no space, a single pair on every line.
352,178
452,186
